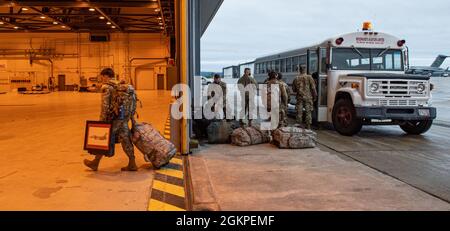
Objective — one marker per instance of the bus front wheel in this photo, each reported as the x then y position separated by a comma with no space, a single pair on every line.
344,118
417,127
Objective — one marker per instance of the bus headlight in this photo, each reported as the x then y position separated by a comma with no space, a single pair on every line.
374,87
421,88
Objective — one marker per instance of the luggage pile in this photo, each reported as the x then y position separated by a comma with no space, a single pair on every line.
249,136
153,145
223,132
294,138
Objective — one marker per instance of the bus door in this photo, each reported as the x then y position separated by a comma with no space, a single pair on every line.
317,68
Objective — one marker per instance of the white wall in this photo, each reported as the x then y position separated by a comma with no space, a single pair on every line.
82,57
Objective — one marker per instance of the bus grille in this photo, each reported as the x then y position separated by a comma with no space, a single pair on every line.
398,89
398,102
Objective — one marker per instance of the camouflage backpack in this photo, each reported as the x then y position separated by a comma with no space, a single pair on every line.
123,102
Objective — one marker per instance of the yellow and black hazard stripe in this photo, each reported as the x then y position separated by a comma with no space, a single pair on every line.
167,129
168,190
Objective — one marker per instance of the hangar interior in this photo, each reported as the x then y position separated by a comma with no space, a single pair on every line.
67,43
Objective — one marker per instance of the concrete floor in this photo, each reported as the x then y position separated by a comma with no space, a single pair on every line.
41,146
263,177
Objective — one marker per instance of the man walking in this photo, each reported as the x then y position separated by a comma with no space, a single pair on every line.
119,118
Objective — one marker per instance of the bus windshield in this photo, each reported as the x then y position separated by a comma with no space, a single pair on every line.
367,59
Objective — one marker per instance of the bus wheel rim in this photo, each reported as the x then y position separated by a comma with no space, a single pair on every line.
344,116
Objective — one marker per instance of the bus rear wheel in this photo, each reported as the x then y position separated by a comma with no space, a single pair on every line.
344,118
417,127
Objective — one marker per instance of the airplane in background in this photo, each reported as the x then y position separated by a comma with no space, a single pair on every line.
434,70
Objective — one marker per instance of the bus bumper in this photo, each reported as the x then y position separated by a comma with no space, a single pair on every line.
396,113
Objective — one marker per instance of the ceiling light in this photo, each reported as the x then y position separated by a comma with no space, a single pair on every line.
159,18
157,10
1,23
91,9
101,17
43,17
109,23
24,9
16,27
161,23
63,26
113,27
55,22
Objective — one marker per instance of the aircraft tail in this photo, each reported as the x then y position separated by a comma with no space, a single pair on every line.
439,61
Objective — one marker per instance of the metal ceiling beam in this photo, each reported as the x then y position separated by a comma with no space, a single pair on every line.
53,18
162,16
77,4
76,15
100,11
83,31
108,18
11,24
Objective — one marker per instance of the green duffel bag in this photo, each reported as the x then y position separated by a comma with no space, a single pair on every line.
219,131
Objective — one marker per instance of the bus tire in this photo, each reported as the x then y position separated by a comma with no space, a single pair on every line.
416,127
344,118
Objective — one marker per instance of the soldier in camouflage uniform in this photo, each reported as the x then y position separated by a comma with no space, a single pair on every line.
120,126
305,88
283,98
246,80
218,81
285,104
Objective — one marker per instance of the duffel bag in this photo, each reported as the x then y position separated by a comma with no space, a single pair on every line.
294,138
219,131
156,149
249,136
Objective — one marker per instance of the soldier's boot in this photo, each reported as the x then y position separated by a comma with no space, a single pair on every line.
132,167
93,164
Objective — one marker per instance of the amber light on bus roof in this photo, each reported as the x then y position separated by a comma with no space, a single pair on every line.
367,26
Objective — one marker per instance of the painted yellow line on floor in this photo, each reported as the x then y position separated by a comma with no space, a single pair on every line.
176,161
169,188
171,172
156,205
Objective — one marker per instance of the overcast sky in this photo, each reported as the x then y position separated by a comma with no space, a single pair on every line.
246,29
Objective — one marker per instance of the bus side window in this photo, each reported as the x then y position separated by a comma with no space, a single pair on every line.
323,61
312,65
288,65
302,62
